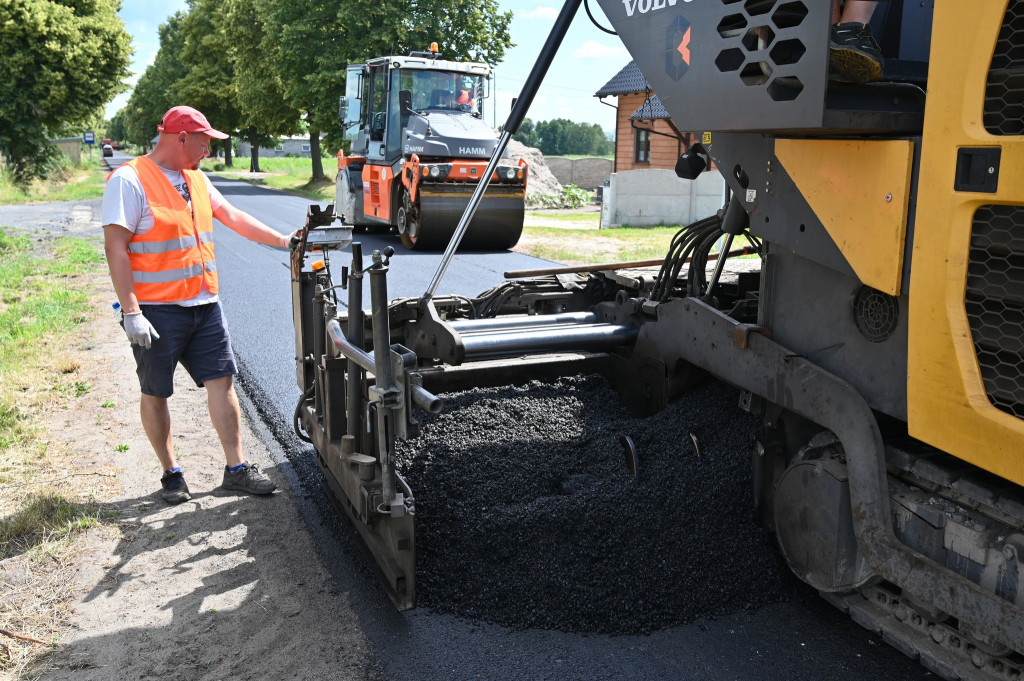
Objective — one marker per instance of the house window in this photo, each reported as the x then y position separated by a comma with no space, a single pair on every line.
305,148
641,146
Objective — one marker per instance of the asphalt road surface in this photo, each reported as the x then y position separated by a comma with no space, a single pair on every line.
800,638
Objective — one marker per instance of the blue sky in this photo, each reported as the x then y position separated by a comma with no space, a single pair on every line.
587,59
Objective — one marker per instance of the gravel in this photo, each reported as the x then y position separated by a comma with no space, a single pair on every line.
542,180
527,515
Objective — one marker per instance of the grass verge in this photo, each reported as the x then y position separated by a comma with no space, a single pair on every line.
288,174
592,219
593,246
47,289
71,183
589,246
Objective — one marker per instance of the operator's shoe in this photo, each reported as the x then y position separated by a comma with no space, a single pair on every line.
247,479
175,489
853,54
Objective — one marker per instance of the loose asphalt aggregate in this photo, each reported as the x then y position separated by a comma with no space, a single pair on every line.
528,516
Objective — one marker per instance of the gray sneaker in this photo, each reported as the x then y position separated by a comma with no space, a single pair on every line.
248,479
175,489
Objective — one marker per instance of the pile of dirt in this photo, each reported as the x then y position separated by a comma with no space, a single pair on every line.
541,181
528,517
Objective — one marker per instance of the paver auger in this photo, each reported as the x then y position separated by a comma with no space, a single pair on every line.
878,336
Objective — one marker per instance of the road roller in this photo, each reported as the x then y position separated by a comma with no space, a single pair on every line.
418,146
876,332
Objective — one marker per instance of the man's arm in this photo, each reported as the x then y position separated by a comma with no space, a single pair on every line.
136,326
115,244
250,227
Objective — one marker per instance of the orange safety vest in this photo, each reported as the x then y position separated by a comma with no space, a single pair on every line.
173,259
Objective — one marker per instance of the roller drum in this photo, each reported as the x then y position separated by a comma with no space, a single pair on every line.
497,224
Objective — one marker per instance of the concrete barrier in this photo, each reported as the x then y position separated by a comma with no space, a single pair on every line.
588,173
71,147
560,167
645,198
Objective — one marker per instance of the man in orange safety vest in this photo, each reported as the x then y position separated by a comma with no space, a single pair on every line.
158,213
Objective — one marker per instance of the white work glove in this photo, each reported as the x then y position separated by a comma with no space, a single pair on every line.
139,330
290,241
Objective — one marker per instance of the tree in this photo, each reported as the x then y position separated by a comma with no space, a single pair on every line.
527,134
560,136
63,60
265,111
207,80
94,122
116,127
156,90
313,41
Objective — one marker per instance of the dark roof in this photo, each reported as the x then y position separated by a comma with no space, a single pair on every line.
651,109
627,81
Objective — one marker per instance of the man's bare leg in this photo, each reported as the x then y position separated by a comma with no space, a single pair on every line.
858,11
156,421
226,417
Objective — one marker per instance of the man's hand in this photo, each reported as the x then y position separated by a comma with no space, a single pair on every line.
139,330
292,240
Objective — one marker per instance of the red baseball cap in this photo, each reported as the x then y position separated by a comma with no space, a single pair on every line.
186,119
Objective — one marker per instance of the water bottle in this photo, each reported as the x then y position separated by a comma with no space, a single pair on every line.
117,312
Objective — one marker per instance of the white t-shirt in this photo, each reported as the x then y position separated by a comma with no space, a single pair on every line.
125,204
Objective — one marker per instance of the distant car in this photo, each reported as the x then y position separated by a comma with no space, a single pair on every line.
108,150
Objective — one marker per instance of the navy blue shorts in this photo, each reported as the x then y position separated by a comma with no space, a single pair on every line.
195,336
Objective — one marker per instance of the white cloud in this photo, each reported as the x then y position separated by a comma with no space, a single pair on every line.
540,13
592,49
116,105
503,102
581,110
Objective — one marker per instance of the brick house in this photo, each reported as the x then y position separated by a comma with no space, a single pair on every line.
645,136
644,189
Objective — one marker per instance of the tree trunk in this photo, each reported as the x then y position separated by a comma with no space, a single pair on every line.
254,155
314,152
227,153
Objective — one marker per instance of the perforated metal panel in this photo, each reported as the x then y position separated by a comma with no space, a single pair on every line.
753,65
730,64
1004,93
995,303
755,30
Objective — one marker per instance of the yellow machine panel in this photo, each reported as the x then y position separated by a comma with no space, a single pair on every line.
860,191
949,405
